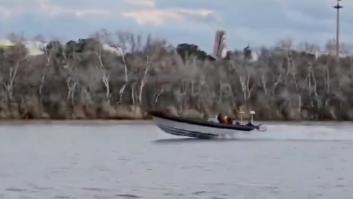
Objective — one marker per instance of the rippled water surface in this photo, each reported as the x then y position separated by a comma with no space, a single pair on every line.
107,160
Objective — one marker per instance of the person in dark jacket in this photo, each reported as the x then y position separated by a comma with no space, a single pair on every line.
224,119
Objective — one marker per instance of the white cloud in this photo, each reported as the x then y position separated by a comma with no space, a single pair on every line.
5,12
51,9
142,11
199,12
162,16
141,3
147,13
46,7
91,12
152,17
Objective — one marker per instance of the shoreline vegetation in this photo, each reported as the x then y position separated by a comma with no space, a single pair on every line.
123,76
75,122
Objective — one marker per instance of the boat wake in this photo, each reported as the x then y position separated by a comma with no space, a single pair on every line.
329,132
291,132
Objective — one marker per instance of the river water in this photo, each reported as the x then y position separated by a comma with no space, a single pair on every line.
110,160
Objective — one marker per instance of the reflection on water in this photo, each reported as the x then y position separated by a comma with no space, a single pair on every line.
220,140
42,161
191,140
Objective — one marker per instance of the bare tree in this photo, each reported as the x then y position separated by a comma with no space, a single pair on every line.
144,79
9,85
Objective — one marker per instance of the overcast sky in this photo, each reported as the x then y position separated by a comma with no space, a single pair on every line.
255,22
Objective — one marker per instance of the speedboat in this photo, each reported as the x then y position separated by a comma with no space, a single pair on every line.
199,128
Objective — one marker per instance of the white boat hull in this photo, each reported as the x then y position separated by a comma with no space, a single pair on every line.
193,130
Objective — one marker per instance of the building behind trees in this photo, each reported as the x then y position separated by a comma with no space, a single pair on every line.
220,47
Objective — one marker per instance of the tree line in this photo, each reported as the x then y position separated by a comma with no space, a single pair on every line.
124,76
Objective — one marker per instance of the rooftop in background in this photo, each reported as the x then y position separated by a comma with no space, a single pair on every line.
34,47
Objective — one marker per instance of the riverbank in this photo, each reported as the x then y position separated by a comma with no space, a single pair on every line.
75,122
114,113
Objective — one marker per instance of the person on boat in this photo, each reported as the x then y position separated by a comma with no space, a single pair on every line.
224,119
220,118
229,120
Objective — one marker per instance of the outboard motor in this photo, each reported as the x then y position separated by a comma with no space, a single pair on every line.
241,116
251,122
252,115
